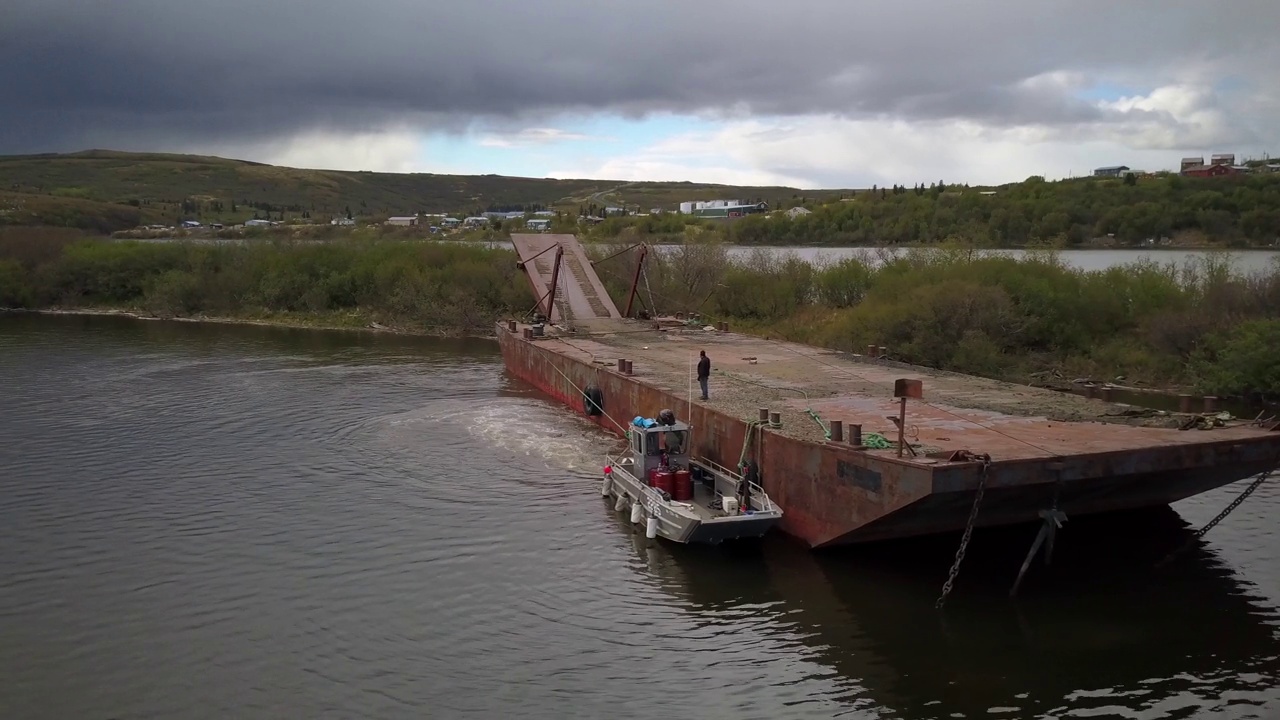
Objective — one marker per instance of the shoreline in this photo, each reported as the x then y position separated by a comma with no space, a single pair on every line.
1169,393
372,327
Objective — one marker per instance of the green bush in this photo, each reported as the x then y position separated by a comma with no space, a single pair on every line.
1241,360
412,284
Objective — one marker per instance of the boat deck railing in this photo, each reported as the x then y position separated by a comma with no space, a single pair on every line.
756,490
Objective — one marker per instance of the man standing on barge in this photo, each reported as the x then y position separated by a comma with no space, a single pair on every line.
704,372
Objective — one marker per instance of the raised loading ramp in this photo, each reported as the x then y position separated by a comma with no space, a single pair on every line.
579,295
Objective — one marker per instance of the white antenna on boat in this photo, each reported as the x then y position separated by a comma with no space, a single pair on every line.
689,418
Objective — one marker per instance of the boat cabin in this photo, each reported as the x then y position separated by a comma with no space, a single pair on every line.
656,446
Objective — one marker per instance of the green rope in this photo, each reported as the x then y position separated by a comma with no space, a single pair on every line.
825,430
746,441
876,441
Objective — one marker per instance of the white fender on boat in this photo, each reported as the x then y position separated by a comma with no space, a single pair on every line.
606,487
651,528
637,512
621,504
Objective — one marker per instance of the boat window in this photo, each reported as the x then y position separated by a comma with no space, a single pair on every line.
675,441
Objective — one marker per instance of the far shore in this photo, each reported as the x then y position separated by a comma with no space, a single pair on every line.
293,324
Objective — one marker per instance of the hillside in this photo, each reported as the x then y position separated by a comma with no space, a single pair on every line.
1159,210
169,188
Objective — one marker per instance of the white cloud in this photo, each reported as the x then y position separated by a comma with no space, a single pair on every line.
536,136
1149,132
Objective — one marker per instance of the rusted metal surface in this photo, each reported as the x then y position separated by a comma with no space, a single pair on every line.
836,493
580,291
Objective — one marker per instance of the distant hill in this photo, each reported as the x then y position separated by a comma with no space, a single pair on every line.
104,190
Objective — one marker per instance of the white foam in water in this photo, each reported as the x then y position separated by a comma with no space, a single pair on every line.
524,427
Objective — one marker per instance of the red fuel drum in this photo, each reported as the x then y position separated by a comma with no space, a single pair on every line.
653,476
665,480
684,486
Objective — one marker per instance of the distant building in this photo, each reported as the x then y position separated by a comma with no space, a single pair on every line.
258,223
1223,159
655,211
403,220
797,212
1111,171
190,224
342,221
475,221
538,225
1206,171
451,222
1190,163
722,208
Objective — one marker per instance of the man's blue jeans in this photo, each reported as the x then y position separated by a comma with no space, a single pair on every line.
702,383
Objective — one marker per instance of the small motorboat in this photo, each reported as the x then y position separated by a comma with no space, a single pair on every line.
679,498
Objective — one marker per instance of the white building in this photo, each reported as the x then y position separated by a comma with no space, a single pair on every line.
538,224
403,220
797,211
342,221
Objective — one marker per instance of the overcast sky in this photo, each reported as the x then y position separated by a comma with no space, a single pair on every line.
813,94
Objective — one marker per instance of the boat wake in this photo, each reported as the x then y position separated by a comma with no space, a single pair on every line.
522,428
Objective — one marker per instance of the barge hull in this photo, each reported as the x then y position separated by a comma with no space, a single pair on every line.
833,494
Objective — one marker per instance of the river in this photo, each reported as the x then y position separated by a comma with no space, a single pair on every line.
215,521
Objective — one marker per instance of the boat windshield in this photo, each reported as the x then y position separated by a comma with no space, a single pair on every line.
674,441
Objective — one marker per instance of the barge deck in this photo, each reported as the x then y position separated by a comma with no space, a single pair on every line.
1029,449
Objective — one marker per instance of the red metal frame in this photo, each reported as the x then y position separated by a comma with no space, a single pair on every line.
555,281
635,281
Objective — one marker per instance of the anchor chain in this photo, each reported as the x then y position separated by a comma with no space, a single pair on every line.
1219,518
968,533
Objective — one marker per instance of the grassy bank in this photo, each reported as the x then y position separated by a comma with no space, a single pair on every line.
1028,320
413,286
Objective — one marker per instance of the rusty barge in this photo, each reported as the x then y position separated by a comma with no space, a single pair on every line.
804,417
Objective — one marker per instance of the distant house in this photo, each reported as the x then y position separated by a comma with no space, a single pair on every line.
258,223
1270,167
1191,163
1111,171
797,212
1223,159
475,221
342,221
404,220
190,224
538,225
1206,171
451,222
545,213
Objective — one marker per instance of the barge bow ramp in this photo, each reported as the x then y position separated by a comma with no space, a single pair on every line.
1045,448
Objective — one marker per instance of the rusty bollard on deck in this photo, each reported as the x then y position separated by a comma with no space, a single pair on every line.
902,389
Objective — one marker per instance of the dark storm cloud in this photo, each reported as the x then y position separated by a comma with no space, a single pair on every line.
130,72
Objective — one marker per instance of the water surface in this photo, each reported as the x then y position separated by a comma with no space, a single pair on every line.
201,521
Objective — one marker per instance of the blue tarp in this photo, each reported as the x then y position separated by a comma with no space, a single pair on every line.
643,422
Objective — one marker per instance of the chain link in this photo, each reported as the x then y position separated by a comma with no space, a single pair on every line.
1234,504
1225,512
968,533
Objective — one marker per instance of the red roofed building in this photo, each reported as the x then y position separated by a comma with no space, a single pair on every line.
1211,171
